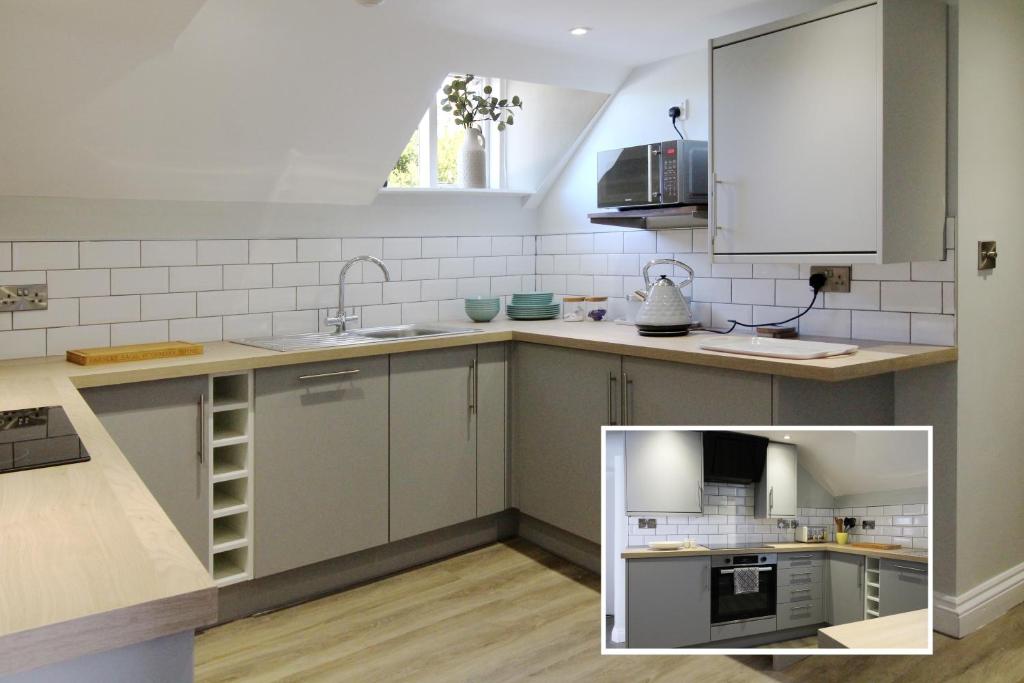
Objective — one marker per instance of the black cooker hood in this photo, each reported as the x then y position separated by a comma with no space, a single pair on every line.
733,458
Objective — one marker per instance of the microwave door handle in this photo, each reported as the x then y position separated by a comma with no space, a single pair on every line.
650,174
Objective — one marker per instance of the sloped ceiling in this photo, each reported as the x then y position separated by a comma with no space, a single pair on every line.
847,462
230,100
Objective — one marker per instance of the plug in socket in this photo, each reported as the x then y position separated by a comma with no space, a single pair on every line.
838,278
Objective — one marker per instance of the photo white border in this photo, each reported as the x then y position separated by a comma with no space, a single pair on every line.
605,650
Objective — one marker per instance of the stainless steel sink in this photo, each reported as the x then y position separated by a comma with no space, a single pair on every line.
323,340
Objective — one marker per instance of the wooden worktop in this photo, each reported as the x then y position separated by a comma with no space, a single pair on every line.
873,358
905,554
908,630
88,560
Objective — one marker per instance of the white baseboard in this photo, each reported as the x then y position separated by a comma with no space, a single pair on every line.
961,615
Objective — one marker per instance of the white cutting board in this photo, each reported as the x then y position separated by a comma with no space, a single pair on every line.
795,349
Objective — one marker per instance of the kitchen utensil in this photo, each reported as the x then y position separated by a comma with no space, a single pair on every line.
776,348
664,310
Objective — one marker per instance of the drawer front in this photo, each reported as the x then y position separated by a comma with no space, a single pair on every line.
801,560
799,576
743,628
789,594
800,614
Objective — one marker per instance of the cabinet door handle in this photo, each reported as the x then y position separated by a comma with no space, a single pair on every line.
329,374
627,402
700,497
802,557
771,500
796,607
912,569
472,386
800,590
202,427
612,380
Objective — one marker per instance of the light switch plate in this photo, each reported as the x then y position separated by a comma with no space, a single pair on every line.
987,255
23,298
838,278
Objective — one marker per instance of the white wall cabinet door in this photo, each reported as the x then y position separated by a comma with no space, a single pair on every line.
664,472
776,492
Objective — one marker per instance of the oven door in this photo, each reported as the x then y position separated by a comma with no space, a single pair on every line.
628,177
727,606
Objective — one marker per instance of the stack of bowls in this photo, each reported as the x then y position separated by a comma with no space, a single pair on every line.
482,309
532,306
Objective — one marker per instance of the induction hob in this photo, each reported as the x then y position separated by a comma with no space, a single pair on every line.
31,438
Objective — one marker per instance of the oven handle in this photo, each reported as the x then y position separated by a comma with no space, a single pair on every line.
733,571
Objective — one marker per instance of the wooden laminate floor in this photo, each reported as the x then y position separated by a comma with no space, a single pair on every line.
513,612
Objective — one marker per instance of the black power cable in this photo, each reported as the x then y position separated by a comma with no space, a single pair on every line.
674,113
816,281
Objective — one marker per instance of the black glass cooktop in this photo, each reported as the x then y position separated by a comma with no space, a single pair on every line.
31,438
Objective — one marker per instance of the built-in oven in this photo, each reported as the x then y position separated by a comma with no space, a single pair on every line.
666,173
736,595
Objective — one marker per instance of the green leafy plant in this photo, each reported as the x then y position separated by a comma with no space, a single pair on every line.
470,108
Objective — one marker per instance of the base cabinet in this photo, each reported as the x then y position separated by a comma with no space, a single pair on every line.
846,582
321,462
902,587
668,602
158,426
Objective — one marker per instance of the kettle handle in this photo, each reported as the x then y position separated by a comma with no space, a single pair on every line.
667,262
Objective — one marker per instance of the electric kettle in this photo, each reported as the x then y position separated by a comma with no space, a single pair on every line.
664,312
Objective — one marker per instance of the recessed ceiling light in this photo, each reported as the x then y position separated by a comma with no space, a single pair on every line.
370,3
580,31
786,437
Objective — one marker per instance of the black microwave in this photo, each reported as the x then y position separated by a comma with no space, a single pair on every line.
660,174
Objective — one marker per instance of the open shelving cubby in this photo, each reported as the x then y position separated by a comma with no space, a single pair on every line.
231,490
871,584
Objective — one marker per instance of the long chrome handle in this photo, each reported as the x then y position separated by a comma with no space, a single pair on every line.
800,590
612,379
651,156
700,496
913,569
472,386
202,427
733,571
804,606
860,577
627,408
801,573
771,500
801,557
329,374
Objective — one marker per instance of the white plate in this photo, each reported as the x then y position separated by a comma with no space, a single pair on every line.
665,545
777,348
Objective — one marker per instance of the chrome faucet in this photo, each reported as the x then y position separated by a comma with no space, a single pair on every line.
341,320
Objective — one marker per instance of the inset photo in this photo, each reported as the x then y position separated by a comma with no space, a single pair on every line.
787,541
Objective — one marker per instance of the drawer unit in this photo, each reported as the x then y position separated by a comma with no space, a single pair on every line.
788,560
811,591
799,576
743,628
800,614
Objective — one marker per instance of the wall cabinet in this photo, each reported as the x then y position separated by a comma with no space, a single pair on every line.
902,587
561,399
776,492
158,426
321,461
828,136
664,472
668,602
846,588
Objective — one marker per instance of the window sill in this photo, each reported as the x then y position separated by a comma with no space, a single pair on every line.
454,191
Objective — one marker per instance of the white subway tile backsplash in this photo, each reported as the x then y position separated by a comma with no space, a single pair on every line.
473,286
419,312
675,241
23,277
250,276
72,283
296,274
6,321
777,271
608,242
455,267
505,285
721,314
316,296
912,297
521,265
440,247
608,285
195,278
168,253
733,270
489,265
889,271
949,298
551,244
623,264
196,329
294,322
138,333
579,243
420,269
795,293
400,292
5,255
22,344
566,264
751,291
110,309
166,306
59,313
882,326
272,251
826,323
377,316
942,271
269,300
364,294
639,242
224,302
432,290
593,264
139,280
109,254
508,245
60,339
863,295
252,325
221,252
474,246
318,250
712,290
939,330
44,255
402,247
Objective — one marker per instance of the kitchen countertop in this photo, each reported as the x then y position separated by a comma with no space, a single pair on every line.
908,630
905,554
873,358
89,561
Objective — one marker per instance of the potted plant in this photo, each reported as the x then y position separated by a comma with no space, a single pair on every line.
470,109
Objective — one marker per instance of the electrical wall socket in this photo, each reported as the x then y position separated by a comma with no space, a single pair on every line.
838,278
684,110
868,524
23,298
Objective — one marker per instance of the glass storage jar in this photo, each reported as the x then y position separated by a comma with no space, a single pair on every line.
597,308
574,308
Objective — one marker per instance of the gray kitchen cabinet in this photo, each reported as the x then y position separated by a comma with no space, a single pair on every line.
561,399
902,587
668,602
664,472
491,431
776,492
673,394
846,588
158,426
321,461
433,439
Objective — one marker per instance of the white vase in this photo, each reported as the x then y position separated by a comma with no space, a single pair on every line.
473,160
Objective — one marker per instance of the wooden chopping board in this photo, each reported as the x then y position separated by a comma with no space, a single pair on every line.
877,546
130,352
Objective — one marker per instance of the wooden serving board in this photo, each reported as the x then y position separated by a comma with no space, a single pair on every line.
877,546
130,352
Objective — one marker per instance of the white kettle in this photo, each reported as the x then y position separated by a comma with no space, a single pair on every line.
664,312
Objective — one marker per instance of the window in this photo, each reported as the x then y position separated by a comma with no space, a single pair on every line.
431,157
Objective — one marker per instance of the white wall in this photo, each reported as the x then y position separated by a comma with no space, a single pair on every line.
990,388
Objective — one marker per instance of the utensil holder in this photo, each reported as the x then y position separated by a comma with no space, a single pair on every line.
842,538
